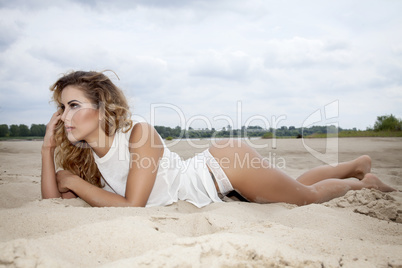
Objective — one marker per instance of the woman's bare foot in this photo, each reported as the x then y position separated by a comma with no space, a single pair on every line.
373,182
363,164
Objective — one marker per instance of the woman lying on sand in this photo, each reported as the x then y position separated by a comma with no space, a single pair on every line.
108,161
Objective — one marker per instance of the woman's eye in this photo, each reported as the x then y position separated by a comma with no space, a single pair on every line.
74,105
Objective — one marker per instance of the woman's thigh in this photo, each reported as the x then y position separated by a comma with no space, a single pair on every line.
251,175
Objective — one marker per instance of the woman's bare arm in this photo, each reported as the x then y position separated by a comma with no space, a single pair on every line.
48,177
145,143
91,194
146,150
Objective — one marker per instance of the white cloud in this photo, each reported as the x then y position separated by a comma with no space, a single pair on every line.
227,65
277,58
305,53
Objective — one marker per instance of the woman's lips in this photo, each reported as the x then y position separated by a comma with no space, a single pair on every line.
68,128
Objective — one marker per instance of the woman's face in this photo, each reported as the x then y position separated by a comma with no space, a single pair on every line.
80,116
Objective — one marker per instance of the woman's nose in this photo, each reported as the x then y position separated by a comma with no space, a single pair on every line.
64,115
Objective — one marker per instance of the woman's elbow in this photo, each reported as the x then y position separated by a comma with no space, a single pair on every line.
49,194
68,195
136,204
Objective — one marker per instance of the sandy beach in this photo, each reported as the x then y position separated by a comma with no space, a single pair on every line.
361,229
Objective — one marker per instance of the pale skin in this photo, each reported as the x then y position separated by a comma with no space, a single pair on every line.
260,184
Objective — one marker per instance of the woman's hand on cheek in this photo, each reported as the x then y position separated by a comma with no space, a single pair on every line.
49,141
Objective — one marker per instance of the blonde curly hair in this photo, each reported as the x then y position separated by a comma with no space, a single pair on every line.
109,99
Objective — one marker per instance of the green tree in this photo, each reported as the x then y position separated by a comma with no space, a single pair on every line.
387,122
24,130
3,130
177,132
38,130
14,131
267,135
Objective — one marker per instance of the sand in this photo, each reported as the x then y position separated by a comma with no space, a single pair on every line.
361,229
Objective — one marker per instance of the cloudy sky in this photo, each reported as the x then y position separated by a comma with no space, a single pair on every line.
205,63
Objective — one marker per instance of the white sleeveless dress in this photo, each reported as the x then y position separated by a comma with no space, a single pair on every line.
176,179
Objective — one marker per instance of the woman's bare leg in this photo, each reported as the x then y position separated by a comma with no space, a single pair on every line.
331,188
252,177
356,168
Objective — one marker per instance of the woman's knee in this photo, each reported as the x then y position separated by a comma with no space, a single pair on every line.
310,196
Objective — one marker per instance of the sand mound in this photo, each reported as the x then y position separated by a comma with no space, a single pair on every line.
372,203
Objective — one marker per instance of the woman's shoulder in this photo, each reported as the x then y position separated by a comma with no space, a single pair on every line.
134,129
141,128
144,133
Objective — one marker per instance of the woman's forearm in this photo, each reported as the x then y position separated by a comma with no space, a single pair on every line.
96,196
48,177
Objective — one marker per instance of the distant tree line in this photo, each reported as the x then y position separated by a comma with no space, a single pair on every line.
250,131
383,123
37,130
